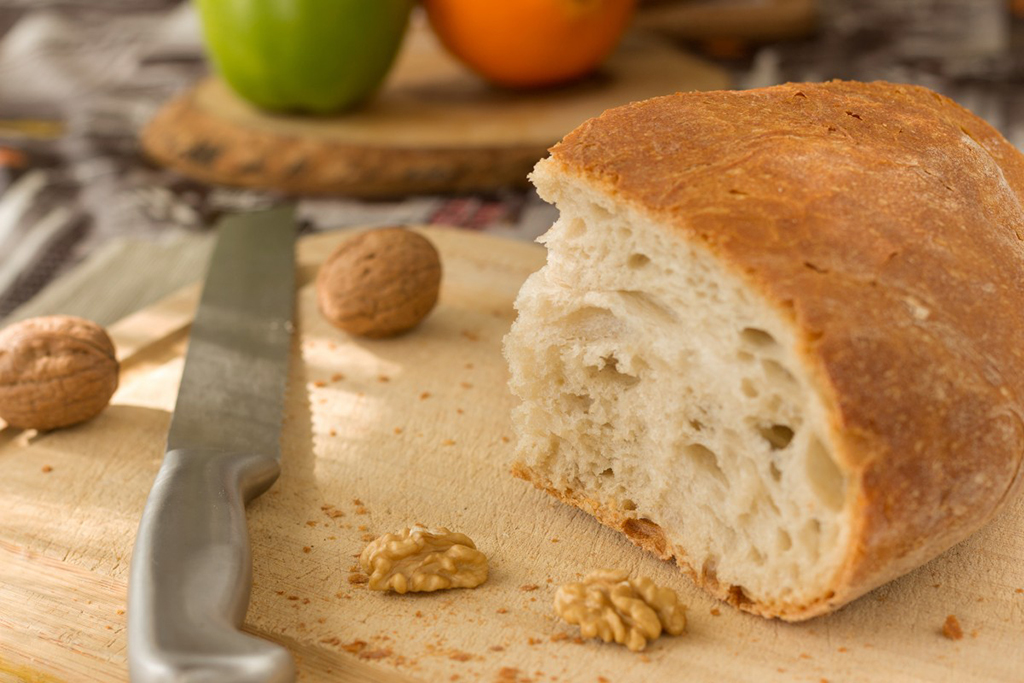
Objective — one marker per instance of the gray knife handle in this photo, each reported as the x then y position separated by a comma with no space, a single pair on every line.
191,574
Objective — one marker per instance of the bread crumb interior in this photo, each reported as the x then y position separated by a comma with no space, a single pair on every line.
660,385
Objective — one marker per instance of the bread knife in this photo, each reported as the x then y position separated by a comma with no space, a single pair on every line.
191,572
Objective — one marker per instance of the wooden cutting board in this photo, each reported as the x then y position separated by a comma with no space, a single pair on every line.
382,434
434,127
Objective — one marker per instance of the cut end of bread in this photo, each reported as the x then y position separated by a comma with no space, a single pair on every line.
662,395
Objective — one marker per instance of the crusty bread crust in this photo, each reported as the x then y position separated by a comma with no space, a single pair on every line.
886,222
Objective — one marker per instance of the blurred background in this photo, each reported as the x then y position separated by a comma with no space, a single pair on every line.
109,189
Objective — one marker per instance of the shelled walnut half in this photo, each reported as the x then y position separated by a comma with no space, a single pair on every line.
609,605
419,559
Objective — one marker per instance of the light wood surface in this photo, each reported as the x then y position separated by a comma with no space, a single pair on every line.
435,126
66,534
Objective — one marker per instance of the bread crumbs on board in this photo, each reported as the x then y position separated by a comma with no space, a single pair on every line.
951,628
508,674
47,469
355,647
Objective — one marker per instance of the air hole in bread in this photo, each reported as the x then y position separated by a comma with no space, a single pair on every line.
591,322
637,261
608,371
749,388
775,472
826,479
608,472
810,538
705,461
575,227
776,372
777,436
580,402
696,425
709,569
645,533
628,505
738,596
783,541
757,338
644,305
602,213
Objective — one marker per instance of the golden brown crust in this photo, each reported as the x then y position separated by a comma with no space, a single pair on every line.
886,222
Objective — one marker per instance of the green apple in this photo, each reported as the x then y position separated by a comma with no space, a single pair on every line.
315,56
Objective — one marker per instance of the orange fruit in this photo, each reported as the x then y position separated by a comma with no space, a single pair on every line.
527,43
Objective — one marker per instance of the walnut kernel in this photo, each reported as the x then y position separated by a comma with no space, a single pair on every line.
609,605
55,371
379,283
419,559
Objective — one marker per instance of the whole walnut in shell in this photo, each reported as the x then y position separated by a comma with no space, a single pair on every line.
55,371
380,283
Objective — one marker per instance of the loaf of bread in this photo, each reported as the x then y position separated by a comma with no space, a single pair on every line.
779,336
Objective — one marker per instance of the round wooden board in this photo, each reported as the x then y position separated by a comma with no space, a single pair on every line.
435,127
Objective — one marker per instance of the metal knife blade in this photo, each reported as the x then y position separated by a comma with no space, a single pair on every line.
191,574
232,389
